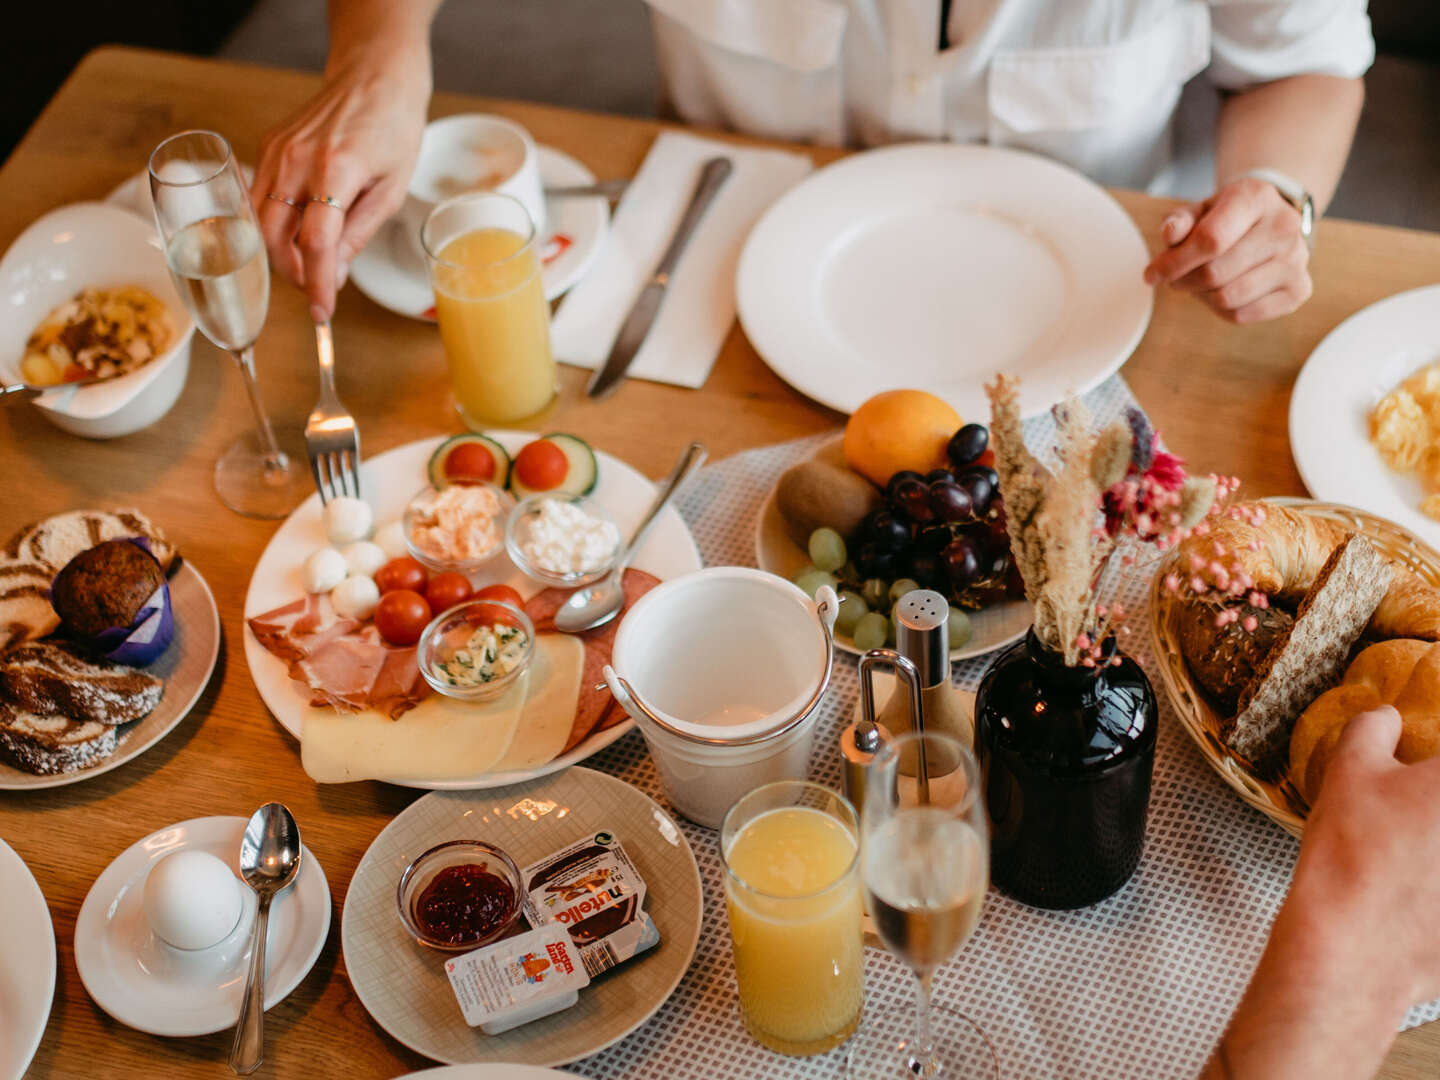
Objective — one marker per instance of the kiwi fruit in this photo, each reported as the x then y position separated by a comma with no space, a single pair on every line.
816,493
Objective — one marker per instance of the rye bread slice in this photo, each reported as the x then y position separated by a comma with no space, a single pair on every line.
47,745
1311,657
46,678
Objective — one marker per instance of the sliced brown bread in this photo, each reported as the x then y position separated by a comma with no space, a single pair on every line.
53,744
48,678
1311,656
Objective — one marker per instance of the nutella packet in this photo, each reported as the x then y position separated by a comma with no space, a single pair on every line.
517,980
593,890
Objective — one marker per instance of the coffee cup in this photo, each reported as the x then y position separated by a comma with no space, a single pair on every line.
473,152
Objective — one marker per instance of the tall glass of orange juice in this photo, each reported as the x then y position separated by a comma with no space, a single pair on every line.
480,250
792,884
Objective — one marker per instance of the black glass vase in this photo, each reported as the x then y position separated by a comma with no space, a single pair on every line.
1066,756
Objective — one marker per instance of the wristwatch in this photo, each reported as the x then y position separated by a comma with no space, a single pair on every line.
1293,192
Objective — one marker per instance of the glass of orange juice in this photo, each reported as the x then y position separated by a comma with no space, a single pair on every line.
480,251
792,884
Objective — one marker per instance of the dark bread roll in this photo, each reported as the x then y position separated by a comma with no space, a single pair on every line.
1222,659
104,586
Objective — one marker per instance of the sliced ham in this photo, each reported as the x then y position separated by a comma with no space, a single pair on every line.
342,673
300,629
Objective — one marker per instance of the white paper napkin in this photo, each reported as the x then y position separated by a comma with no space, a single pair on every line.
700,302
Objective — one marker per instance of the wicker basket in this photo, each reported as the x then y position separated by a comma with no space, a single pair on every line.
1280,800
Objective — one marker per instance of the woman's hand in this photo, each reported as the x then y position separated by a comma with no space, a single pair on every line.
1240,251
355,142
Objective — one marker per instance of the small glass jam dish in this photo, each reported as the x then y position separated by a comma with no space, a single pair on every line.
465,652
459,895
458,528
560,540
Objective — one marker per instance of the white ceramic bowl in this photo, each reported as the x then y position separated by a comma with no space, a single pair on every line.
722,670
74,248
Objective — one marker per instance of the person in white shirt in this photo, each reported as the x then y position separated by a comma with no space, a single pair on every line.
1093,83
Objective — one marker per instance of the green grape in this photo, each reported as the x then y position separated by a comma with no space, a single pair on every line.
827,549
870,631
852,607
892,630
958,628
876,594
807,569
811,581
901,587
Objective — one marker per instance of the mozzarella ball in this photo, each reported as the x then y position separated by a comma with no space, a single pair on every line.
391,539
348,519
364,558
323,570
192,899
355,597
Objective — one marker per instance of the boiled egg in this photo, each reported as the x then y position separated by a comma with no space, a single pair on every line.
323,570
348,519
192,899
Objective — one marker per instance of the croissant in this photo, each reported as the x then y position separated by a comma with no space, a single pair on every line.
1285,552
1403,673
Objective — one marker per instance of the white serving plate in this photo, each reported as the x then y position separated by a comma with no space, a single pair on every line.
389,480
935,266
27,964
1358,363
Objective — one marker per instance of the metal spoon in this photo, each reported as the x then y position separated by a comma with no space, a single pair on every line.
269,861
13,391
597,604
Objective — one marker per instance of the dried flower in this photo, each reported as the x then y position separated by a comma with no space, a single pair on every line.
1111,457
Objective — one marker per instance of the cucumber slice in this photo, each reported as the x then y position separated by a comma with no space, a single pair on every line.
436,468
580,476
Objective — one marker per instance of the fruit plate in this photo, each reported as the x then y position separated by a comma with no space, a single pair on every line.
1279,800
389,480
776,552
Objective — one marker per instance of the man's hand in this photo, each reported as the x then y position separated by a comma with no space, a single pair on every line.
1240,251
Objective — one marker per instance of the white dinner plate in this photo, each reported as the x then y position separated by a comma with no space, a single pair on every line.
1358,363
935,266
186,666
27,963
151,987
391,271
403,985
389,481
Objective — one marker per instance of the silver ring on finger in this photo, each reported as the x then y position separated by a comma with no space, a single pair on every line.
328,200
292,203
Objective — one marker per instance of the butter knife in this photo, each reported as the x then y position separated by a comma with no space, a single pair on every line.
642,315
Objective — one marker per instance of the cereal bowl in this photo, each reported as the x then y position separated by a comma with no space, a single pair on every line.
426,867
449,662
459,528
90,245
564,541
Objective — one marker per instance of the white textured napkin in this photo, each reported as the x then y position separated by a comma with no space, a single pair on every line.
700,302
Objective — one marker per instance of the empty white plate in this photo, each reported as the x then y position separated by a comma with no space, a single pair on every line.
933,267
152,987
27,963
1358,363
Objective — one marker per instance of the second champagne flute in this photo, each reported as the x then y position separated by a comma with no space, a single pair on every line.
217,260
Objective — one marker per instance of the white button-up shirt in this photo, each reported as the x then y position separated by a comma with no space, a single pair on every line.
1093,83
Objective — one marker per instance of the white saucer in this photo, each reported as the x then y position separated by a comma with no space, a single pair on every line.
27,963
146,984
391,272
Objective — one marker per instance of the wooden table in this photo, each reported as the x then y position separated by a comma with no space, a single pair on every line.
1218,393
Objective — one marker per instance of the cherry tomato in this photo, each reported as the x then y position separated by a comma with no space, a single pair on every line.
446,591
401,573
503,593
469,462
541,465
402,616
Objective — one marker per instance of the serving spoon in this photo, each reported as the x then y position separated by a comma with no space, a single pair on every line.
269,861
597,604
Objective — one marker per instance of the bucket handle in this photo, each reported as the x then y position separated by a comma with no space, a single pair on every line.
827,606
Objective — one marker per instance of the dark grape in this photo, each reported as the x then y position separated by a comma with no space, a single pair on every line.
912,499
886,530
932,538
899,478
951,502
876,562
967,444
962,562
979,487
989,474
936,476
997,562
928,569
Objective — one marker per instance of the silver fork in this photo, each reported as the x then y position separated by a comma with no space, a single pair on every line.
331,437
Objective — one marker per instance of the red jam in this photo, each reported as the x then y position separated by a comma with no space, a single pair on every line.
463,904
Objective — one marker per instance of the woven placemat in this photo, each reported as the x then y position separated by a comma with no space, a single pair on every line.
1139,985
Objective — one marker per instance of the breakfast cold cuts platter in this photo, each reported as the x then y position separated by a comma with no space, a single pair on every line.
437,744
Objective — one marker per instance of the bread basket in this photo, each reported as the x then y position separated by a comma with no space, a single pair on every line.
1280,801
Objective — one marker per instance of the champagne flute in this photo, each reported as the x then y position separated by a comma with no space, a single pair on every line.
925,865
217,261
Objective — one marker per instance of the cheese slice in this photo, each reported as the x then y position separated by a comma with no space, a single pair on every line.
550,711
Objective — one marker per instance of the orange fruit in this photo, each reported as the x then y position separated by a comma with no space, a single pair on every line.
899,429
